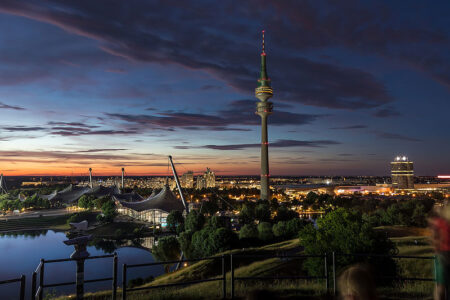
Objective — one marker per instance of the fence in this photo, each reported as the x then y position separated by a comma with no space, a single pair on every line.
39,291
397,278
234,278
223,278
22,285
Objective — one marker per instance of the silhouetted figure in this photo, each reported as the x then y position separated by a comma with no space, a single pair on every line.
440,228
357,283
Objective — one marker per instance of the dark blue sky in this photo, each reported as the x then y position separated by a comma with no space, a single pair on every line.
125,83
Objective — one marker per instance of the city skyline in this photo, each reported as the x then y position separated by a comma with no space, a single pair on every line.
84,87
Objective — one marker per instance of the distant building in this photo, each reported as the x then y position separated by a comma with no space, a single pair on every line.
187,180
201,183
402,173
210,178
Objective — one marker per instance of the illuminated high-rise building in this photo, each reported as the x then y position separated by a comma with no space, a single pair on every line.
187,180
264,108
402,173
201,183
210,178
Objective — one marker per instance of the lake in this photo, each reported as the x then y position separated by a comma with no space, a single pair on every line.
21,252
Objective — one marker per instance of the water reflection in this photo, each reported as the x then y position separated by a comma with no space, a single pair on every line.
21,252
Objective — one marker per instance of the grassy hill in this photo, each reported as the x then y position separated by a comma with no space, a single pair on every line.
298,289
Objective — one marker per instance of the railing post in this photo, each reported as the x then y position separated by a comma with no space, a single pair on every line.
22,287
232,276
124,282
114,281
224,279
334,274
33,286
41,280
326,272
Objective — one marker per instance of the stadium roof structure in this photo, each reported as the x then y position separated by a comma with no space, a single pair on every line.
72,193
165,200
129,197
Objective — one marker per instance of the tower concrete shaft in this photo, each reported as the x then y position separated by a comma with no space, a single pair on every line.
90,178
123,171
264,108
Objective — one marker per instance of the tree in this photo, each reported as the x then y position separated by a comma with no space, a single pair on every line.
209,241
217,222
209,207
86,201
167,249
419,217
262,212
174,219
248,231
184,239
109,211
285,214
247,214
100,201
280,229
265,231
194,221
344,231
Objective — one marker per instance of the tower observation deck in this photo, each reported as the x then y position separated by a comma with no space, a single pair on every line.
263,92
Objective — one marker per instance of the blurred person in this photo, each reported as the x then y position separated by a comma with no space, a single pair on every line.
440,228
356,283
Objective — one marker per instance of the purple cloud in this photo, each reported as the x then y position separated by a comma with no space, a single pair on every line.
6,106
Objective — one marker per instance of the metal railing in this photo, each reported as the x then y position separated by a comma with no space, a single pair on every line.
37,292
21,279
234,278
396,278
222,278
38,286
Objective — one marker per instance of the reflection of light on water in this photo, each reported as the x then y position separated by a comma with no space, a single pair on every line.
148,242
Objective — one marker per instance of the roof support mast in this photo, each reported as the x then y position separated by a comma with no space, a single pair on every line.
175,175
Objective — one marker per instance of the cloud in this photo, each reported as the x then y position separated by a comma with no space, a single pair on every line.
6,106
101,150
386,112
203,43
240,112
396,136
350,127
23,128
277,144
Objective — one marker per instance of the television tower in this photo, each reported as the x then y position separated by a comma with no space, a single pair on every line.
90,178
3,189
264,108
123,171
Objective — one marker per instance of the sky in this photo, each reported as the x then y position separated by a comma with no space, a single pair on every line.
110,84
